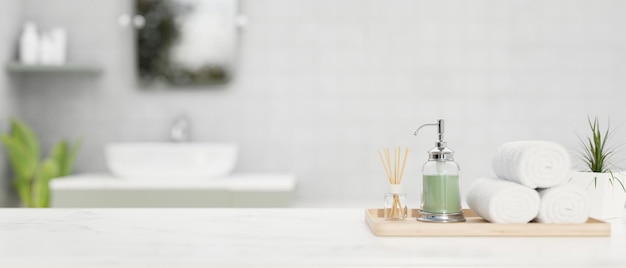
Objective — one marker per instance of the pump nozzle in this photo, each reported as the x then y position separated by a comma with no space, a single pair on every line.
439,125
440,152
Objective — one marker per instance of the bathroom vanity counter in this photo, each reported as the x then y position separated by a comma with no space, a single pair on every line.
268,237
236,190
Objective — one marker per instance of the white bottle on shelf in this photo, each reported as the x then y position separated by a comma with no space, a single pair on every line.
29,44
59,38
46,49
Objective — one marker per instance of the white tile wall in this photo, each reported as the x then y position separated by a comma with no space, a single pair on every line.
322,84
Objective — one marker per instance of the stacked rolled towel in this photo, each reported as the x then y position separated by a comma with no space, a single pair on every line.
534,164
563,204
522,166
501,201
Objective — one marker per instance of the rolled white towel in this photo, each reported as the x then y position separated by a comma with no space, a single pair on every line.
563,204
534,164
501,201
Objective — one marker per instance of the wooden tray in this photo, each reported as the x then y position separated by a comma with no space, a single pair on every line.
477,226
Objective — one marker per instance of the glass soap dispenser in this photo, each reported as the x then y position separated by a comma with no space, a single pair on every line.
441,198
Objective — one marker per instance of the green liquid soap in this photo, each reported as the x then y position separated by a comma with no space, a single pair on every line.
441,194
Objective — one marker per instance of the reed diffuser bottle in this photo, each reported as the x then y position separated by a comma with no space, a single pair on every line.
395,200
441,198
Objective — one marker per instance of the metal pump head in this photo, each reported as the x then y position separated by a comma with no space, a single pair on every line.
440,152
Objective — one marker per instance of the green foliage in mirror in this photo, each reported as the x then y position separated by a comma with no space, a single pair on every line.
185,42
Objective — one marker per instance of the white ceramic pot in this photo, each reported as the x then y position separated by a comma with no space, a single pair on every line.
607,200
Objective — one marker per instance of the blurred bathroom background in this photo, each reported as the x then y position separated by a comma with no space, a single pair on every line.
318,86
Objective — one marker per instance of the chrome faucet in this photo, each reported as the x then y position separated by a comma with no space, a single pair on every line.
180,129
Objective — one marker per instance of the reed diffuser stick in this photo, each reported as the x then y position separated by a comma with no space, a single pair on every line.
397,162
406,153
384,166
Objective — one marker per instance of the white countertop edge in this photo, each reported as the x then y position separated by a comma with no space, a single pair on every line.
296,262
234,182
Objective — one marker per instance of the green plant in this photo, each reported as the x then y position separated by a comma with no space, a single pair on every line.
596,153
32,175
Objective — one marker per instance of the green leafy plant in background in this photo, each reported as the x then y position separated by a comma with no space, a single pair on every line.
32,175
596,153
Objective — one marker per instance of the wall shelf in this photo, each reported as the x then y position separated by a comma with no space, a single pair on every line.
15,67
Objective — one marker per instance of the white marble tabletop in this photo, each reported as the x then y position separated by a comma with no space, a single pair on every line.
268,237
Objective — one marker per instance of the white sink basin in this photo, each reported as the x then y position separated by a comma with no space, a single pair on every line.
170,161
